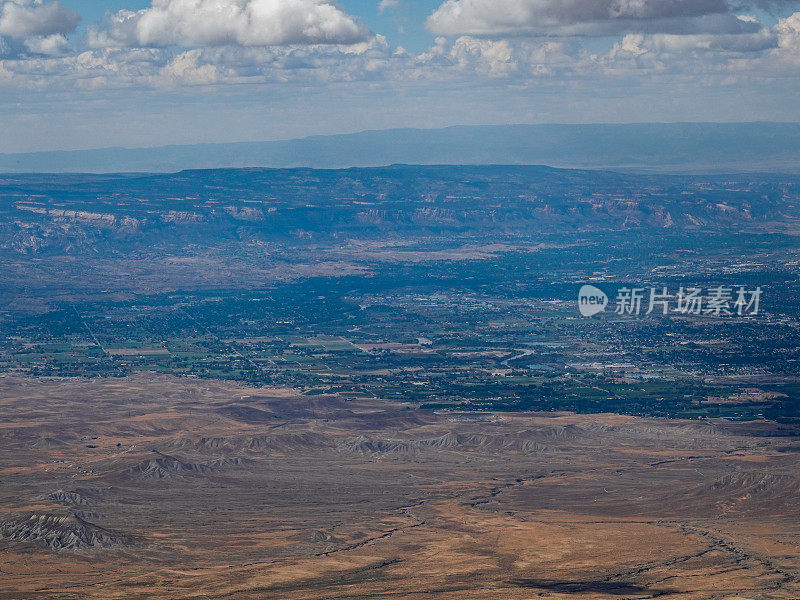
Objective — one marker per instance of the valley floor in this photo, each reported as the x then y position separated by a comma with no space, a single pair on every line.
160,487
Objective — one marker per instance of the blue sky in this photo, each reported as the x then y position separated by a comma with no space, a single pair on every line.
184,71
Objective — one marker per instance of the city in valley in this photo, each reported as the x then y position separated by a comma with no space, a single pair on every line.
400,382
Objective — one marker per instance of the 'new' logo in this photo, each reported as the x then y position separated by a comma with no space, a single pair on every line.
591,300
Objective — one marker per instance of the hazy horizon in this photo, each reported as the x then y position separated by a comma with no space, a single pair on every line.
390,129
658,147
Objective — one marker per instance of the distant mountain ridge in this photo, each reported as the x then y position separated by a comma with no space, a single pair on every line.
664,147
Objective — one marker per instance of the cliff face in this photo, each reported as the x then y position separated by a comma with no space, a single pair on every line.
228,210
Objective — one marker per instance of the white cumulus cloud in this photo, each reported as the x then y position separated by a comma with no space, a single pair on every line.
586,17
25,18
35,27
195,23
788,31
48,45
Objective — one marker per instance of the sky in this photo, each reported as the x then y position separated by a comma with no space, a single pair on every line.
89,74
